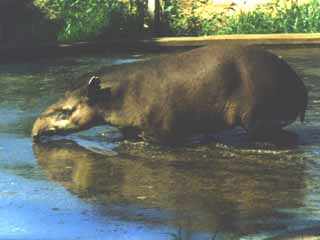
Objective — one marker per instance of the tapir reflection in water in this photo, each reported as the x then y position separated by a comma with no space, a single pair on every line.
172,98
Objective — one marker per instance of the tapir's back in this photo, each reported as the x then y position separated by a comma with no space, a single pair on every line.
203,79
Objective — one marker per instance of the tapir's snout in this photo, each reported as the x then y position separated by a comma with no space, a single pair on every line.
35,137
36,132
42,128
65,117
49,126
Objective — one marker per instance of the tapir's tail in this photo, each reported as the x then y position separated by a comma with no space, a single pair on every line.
303,106
302,114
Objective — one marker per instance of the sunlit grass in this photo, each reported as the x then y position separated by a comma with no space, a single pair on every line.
275,17
91,19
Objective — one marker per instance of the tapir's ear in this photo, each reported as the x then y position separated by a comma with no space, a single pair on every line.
95,92
94,82
93,86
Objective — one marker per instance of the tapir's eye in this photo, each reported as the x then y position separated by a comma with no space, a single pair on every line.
64,112
68,110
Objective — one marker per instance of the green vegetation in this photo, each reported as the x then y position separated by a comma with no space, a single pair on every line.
80,20
275,17
179,22
77,20
89,19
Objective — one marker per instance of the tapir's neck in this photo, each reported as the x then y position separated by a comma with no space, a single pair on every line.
111,113
115,112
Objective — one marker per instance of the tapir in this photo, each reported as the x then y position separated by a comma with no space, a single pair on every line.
172,98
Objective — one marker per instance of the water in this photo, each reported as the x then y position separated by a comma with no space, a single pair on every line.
90,185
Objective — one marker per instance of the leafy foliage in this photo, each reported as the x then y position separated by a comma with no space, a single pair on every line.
84,19
180,22
89,19
277,18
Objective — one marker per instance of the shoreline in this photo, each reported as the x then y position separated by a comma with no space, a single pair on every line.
163,44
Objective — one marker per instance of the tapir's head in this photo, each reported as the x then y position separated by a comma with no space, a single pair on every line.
78,110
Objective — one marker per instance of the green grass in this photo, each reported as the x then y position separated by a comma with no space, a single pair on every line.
91,19
87,19
276,18
272,18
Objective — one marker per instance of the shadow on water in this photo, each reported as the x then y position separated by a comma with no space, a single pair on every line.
239,138
203,188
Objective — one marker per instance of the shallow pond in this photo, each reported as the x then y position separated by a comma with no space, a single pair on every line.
91,186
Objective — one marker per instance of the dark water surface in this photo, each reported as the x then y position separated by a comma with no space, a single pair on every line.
91,186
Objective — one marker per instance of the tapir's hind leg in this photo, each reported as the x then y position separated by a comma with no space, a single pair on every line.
263,130
262,122
270,131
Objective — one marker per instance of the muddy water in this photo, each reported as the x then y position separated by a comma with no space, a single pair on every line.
92,185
